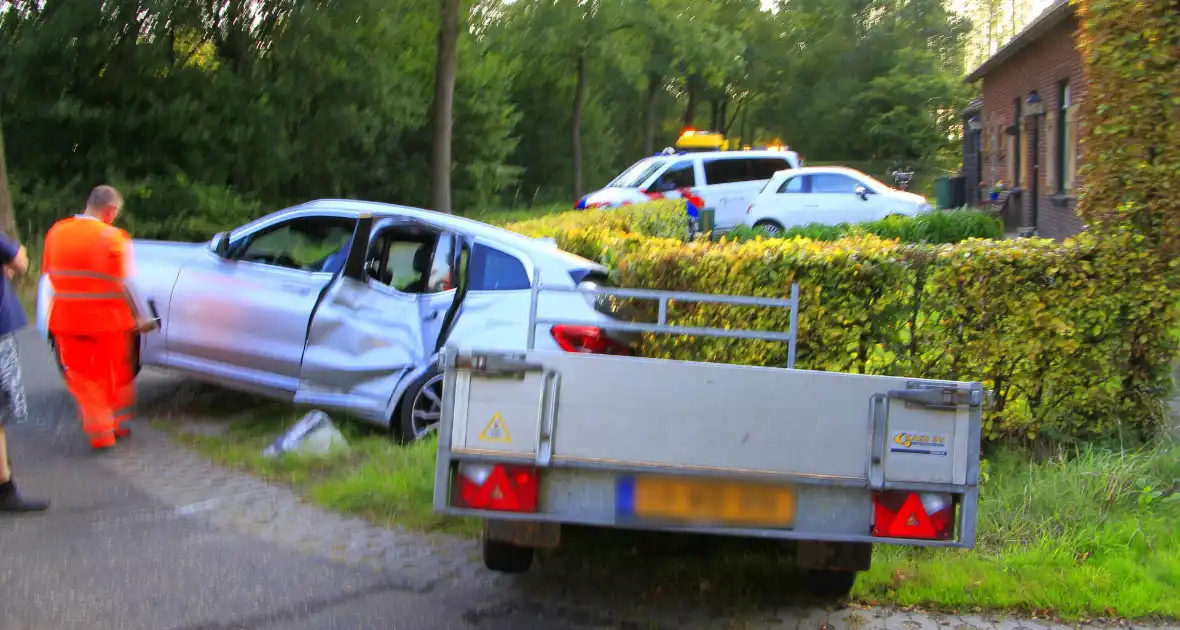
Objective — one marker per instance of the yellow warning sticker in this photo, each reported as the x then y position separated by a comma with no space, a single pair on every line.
496,431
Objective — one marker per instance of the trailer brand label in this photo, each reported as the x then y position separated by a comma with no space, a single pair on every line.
919,443
496,431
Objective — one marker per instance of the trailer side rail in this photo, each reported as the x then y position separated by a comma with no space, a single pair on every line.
661,326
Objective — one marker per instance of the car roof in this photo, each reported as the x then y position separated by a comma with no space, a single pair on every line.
813,170
535,248
725,154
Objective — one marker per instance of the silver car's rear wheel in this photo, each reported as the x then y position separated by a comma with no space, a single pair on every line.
421,408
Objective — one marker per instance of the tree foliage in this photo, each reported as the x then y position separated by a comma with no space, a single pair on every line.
1131,151
278,101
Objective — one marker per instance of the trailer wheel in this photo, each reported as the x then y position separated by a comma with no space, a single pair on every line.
506,557
829,583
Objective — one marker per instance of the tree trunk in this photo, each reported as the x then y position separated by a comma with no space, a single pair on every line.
7,217
576,124
723,118
730,120
690,110
649,113
745,139
715,114
444,102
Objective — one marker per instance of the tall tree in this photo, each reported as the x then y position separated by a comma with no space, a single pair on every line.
195,104
7,217
444,99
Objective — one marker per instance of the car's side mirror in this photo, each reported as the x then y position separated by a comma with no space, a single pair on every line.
219,245
862,192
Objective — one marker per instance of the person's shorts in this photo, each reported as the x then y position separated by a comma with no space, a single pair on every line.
13,409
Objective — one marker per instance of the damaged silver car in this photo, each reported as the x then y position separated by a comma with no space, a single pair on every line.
345,305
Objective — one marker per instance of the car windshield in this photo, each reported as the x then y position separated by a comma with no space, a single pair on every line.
639,172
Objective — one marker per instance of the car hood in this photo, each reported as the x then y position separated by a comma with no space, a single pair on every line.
615,196
906,197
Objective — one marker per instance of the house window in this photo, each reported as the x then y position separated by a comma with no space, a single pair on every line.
1067,139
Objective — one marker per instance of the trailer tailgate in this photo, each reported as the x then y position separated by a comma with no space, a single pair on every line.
570,409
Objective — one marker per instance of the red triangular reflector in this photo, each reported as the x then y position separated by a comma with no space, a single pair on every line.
497,492
912,520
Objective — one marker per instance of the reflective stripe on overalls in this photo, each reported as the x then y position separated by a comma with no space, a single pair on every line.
120,294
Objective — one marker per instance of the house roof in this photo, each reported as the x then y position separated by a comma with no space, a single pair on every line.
973,106
1055,14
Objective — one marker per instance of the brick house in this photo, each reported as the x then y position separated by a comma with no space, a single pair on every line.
1024,131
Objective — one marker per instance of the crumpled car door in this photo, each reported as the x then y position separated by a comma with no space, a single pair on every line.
363,338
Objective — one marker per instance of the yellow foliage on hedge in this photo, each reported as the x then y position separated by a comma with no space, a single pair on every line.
1049,327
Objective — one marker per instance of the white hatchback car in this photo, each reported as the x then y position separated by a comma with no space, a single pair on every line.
827,195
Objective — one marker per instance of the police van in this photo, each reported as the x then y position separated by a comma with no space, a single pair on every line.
701,170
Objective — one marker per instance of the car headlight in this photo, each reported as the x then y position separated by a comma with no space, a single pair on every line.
924,207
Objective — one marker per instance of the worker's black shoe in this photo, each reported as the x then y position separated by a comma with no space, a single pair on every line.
12,501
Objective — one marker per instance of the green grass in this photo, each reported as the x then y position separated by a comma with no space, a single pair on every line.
1091,533
390,485
1083,534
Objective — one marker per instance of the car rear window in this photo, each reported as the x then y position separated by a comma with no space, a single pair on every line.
765,168
731,170
494,270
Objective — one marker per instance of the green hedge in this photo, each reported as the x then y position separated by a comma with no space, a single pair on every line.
1054,329
942,227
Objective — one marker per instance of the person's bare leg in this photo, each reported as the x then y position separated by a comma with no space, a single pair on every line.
10,499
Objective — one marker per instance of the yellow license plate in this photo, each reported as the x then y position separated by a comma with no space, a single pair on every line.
707,502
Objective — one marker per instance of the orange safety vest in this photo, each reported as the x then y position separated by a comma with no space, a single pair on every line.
86,261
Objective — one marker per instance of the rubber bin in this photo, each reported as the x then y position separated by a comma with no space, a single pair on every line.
943,197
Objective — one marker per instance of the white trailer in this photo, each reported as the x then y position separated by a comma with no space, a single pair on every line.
836,462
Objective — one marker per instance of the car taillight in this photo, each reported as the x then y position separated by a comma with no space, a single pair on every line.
587,339
496,487
925,516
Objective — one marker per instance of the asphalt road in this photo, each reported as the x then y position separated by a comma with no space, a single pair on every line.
153,537
102,557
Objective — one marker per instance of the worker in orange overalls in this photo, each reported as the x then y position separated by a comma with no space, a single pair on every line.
93,314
